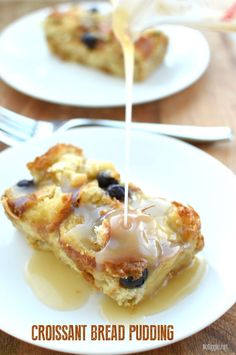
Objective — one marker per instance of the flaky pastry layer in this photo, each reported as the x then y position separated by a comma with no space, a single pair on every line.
69,208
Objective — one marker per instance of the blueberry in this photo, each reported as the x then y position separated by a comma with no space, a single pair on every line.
25,183
90,40
105,179
130,282
94,10
116,191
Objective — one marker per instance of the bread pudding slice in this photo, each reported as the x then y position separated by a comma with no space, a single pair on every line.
74,207
85,36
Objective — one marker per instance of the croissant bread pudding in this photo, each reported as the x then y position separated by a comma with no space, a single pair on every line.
85,35
74,207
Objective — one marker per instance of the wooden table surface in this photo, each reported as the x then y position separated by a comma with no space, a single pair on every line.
211,101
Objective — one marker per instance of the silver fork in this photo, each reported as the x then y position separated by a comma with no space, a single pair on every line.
16,128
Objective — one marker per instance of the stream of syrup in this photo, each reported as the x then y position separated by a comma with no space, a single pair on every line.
126,14
120,27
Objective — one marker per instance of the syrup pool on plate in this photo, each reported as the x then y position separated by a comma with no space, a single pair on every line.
59,287
55,283
179,287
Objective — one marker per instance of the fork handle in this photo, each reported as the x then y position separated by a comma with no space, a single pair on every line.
185,132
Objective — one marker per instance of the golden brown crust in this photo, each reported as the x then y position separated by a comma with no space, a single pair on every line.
146,44
88,277
62,214
126,268
43,162
8,209
19,205
190,225
84,262
199,242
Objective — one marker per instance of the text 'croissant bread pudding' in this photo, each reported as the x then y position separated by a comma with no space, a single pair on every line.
74,208
84,35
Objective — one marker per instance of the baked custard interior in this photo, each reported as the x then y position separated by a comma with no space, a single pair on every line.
74,207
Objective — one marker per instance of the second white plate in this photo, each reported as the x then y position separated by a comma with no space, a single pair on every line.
27,65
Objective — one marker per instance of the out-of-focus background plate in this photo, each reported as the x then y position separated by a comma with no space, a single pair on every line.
27,65
161,166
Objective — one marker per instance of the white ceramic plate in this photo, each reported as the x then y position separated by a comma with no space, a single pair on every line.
27,65
160,165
